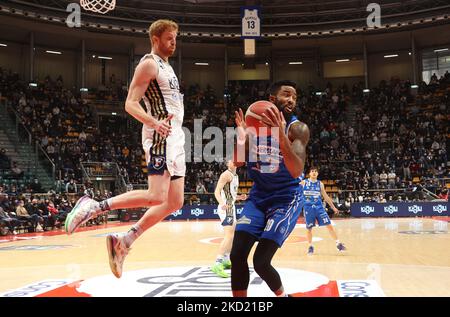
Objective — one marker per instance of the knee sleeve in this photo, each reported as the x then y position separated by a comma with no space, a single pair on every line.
240,275
262,263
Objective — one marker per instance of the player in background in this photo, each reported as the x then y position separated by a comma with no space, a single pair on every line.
226,193
313,191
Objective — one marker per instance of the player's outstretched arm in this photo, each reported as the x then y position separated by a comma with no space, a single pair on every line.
223,179
327,198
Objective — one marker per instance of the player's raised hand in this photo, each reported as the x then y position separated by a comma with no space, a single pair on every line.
273,118
240,124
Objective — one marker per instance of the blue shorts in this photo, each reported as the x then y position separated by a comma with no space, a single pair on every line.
273,220
314,212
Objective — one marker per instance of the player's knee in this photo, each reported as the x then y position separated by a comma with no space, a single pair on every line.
157,198
261,265
176,203
236,257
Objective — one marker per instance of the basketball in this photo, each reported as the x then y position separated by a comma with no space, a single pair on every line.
253,116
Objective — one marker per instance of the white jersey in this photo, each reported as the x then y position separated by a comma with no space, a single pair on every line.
229,191
229,194
162,98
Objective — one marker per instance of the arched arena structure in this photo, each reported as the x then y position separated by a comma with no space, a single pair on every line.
370,81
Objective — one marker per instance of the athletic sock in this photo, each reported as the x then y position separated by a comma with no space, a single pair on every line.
219,259
132,234
280,292
104,206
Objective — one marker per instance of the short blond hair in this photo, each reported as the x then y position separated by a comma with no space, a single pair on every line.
158,27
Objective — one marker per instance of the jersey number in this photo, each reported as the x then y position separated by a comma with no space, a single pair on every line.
269,225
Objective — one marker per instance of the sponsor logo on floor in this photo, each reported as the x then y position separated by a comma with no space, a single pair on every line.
291,239
36,247
14,238
423,232
101,235
193,282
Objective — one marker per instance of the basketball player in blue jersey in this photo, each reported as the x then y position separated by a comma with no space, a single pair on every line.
155,83
273,206
313,191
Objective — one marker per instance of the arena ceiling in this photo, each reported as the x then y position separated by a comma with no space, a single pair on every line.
211,18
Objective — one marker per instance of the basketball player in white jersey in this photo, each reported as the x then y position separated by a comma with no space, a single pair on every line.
226,195
154,82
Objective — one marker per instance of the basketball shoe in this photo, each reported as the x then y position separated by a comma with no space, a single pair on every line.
219,270
341,247
117,251
83,210
226,264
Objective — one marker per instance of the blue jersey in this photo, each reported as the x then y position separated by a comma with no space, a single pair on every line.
311,193
269,173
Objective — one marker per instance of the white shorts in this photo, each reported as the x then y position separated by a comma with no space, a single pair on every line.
170,154
223,214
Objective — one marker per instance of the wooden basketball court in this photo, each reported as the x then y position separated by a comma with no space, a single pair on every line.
401,256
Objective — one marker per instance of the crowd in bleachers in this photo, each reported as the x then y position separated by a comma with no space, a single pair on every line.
42,212
391,137
394,139
63,124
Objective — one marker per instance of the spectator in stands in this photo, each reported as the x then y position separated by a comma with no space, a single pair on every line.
5,203
53,214
375,180
443,194
345,207
200,188
82,136
36,186
421,152
5,218
71,186
23,215
383,179
406,169
391,179
49,218
64,209
33,209
16,171
5,162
